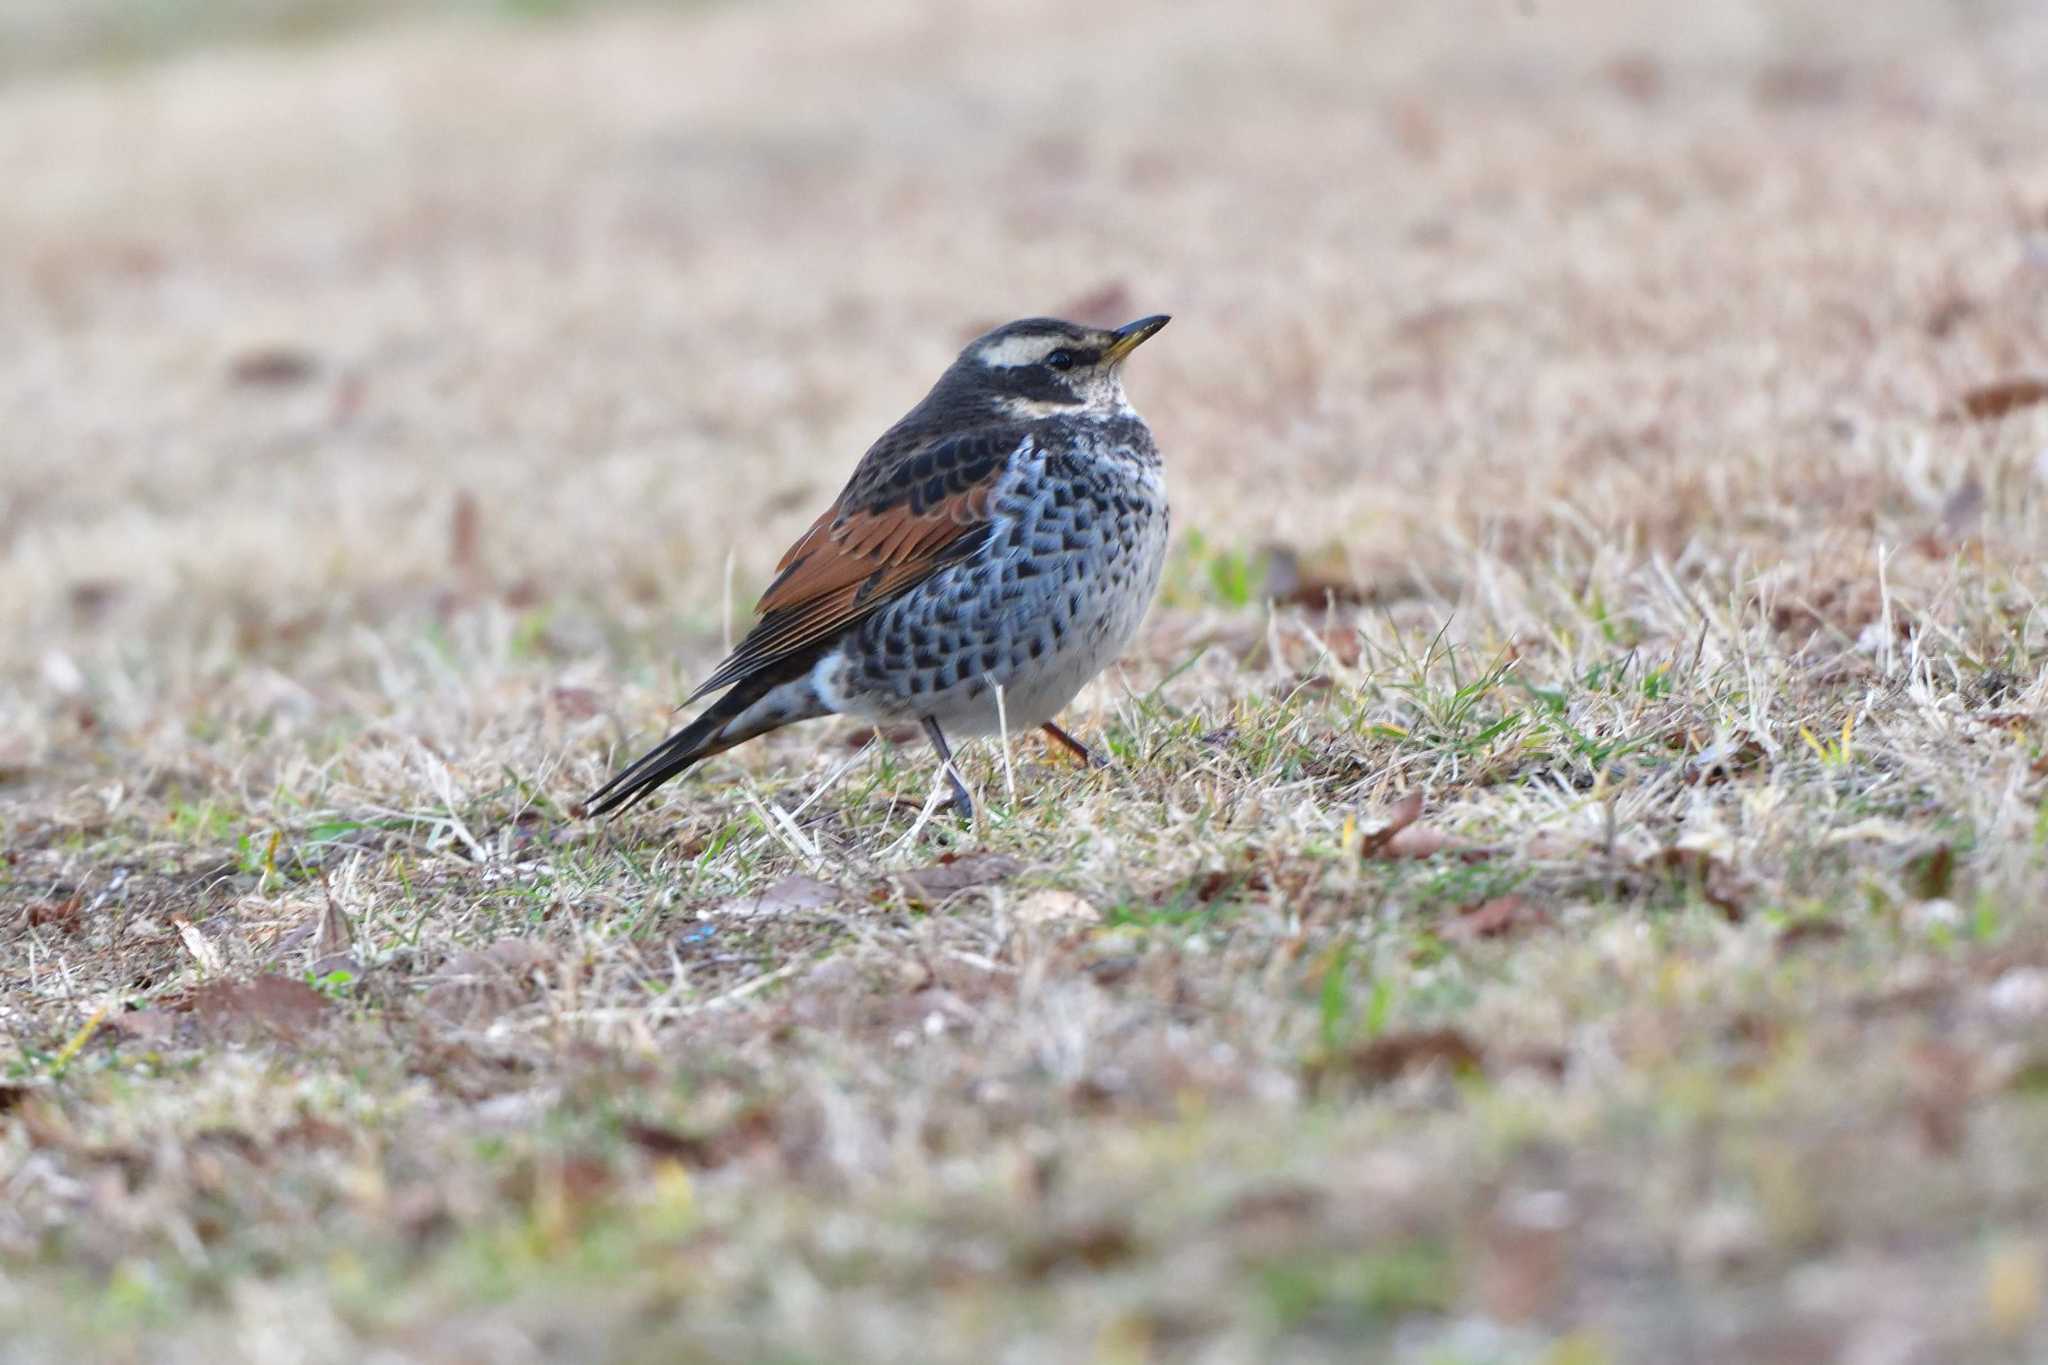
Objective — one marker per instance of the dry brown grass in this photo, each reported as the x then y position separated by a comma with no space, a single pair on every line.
380,421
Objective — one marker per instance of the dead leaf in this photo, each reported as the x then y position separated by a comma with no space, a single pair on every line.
753,1128
574,703
1493,918
1107,971
348,398
1403,814
62,915
314,1133
1718,884
1287,581
1048,907
273,366
332,937
1094,1245
953,874
270,1005
144,1026
1524,1257
1415,129
472,987
1637,76
1417,841
463,534
1932,875
1273,1219
1799,84
1941,1080
1810,932
203,952
1989,402
1948,314
1722,759
1393,1055
789,896
1963,513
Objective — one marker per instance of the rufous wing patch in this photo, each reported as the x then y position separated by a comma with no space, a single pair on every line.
847,566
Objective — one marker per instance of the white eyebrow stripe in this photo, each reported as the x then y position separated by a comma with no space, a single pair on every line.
1012,351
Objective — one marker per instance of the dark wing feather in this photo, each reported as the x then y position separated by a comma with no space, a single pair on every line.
918,501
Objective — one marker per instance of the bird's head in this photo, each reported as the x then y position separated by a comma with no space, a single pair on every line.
1043,367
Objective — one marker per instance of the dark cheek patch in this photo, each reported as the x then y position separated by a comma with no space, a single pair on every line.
1038,384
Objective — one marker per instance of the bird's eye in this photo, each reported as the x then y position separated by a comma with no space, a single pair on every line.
1061,360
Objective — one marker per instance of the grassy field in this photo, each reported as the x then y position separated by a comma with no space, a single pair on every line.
1571,886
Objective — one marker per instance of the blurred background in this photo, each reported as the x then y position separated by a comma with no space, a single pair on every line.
1641,409
316,314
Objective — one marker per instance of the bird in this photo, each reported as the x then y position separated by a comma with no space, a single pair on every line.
992,552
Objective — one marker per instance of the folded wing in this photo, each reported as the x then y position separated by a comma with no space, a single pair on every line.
913,506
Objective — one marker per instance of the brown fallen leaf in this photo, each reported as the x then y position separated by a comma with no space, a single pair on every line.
348,398
1274,1219
1524,1257
752,1129
1393,1055
1932,875
473,987
463,533
1635,75
331,936
953,874
574,703
1963,513
144,1026
1941,1080
267,1005
1810,933
1493,918
1800,84
1949,313
788,896
61,915
314,1133
1719,885
274,366
1404,813
1989,402
1424,841
1107,971
1094,1245
1721,759
1284,579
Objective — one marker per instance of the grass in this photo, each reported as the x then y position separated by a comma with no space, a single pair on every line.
1568,885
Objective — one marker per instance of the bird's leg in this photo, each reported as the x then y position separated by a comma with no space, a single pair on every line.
1072,746
962,802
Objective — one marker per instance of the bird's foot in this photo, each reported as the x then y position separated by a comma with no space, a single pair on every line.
1073,746
962,803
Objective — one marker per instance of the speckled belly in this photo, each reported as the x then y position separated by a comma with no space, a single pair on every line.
1057,592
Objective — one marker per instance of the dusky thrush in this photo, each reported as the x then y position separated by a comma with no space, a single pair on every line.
993,551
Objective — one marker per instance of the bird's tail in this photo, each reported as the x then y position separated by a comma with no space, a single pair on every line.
754,706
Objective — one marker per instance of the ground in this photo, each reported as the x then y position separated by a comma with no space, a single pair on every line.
1569,886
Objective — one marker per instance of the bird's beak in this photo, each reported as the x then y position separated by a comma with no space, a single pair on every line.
1132,335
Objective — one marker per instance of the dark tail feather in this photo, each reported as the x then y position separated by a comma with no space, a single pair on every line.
681,751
